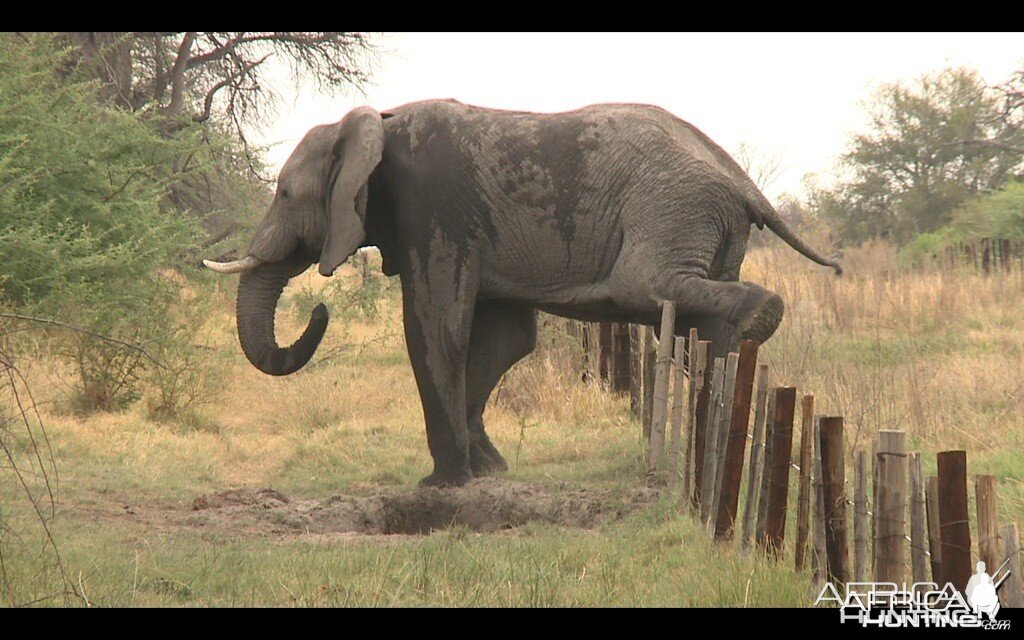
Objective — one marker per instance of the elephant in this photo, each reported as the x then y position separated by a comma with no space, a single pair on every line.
487,216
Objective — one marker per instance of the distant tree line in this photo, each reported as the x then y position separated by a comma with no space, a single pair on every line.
941,159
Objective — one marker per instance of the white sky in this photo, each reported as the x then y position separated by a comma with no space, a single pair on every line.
796,95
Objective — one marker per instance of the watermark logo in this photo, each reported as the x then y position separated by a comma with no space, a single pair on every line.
921,605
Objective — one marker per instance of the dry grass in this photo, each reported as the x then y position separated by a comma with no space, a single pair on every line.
939,355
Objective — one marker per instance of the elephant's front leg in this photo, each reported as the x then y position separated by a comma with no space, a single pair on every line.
438,300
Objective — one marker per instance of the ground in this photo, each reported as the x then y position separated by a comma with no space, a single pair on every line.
301,490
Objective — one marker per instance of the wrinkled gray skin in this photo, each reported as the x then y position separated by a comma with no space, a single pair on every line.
487,216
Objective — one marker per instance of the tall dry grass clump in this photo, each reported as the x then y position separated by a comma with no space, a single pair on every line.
937,353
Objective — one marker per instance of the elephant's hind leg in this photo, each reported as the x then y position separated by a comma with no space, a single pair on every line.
751,311
503,333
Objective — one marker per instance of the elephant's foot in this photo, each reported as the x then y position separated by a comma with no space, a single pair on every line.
762,323
484,459
441,478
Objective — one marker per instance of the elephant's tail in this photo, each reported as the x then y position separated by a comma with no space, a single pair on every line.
763,213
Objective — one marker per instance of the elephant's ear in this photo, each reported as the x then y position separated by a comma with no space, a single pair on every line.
356,151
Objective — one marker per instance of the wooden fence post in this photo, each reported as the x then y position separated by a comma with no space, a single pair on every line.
621,371
659,412
918,527
819,558
725,412
698,364
954,526
700,418
833,469
934,544
890,506
677,417
1012,593
648,365
778,487
635,373
803,500
986,256
766,465
756,457
860,519
736,444
707,491
988,521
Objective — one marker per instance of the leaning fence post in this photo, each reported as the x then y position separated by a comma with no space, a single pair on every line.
803,500
756,456
860,519
954,526
656,445
737,424
918,556
934,543
677,417
707,491
778,487
833,471
890,506
988,521
1012,593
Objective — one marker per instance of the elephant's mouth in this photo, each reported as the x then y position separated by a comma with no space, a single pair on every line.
259,290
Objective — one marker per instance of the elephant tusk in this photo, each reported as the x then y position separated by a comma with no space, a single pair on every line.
235,266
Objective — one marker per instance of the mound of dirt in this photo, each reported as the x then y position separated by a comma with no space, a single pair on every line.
483,505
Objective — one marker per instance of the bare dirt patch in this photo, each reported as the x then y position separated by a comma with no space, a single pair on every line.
484,505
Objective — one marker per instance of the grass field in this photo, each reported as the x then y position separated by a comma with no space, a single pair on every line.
939,355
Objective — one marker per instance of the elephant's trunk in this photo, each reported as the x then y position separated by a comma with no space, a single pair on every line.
258,293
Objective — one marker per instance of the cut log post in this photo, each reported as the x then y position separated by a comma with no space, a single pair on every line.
988,521
663,370
698,364
861,558
674,454
728,391
648,364
833,468
707,491
954,526
700,419
890,506
765,479
1012,592
803,500
819,556
756,457
918,522
635,373
934,544
778,487
739,424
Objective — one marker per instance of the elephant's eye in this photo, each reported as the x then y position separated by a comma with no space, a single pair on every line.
284,194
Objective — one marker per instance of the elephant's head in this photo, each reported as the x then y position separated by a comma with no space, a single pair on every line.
317,215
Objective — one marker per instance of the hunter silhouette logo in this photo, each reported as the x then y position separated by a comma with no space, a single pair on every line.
981,593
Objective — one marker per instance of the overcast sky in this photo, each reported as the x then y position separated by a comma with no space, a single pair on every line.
795,95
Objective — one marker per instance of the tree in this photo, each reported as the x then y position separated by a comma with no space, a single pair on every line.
763,168
219,81
201,75
930,146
